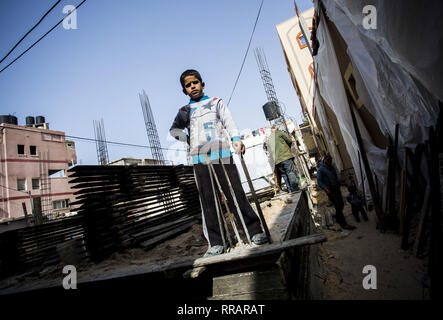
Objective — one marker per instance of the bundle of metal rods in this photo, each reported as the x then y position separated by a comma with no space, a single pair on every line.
35,247
125,206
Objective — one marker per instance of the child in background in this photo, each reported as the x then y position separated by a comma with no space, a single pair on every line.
356,201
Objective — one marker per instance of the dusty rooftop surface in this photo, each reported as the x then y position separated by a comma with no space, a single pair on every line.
342,257
191,244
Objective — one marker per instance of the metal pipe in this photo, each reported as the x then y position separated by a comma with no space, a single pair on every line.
228,234
257,204
231,189
217,210
226,204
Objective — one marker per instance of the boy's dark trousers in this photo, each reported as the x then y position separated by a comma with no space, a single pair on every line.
336,198
210,221
356,210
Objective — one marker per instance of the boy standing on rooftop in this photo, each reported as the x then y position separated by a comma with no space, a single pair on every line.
207,120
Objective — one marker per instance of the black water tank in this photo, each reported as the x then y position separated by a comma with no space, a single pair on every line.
30,121
39,119
8,119
271,110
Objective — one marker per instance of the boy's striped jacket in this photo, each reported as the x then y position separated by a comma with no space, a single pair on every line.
206,122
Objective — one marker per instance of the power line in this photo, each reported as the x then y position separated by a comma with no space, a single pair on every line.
40,38
98,140
119,143
47,12
247,50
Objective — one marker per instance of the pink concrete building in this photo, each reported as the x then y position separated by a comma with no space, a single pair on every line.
33,168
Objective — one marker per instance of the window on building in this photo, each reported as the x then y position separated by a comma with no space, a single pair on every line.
33,150
310,69
60,204
302,43
56,173
52,137
35,183
21,149
21,184
70,145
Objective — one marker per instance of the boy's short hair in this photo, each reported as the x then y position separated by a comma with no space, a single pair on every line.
189,72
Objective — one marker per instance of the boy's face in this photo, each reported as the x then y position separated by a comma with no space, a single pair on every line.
193,87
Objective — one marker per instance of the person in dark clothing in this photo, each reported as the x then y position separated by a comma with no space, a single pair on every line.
278,144
356,201
327,180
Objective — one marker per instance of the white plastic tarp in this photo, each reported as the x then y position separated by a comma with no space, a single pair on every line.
409,32
257,163
327,133
408,40
333,92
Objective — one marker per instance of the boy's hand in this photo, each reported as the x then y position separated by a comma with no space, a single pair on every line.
238,147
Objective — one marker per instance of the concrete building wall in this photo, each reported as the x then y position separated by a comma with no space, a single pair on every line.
300,68
298,58
44,151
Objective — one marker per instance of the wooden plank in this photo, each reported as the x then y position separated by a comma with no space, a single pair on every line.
403,190
393,176
233,256
375,196
251,252
254,283
362,182
424,214
302,210
412,198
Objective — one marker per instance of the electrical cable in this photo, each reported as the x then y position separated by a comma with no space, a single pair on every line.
13,189
47,12
41,38
106,141
246,54
120,143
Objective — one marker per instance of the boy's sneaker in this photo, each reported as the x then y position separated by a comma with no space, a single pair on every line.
259,238
214,250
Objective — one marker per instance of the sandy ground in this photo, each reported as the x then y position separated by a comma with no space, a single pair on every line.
399,272
342,258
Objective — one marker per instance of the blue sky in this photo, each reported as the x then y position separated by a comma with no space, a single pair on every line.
73,77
